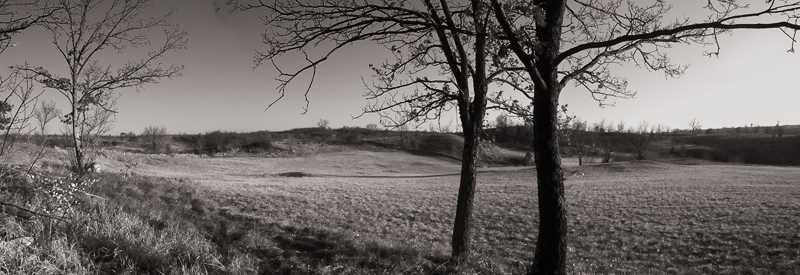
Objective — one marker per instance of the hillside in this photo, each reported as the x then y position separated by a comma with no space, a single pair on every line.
745,149
310,141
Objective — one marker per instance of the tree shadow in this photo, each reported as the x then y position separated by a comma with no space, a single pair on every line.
286,249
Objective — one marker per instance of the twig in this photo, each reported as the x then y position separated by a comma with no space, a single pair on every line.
33,212
91,195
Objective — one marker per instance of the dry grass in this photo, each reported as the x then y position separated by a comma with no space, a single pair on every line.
359,212
628,217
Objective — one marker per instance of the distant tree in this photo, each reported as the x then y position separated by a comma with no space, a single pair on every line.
372,127
432,128
326,134
501,120
667,131
323,124
695,126
501,123
83,32
709,131
444,128
608,138
577,139
405,136
155,137
46,112
640,137
779,130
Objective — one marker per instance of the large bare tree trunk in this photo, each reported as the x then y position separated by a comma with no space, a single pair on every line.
551,244
466,192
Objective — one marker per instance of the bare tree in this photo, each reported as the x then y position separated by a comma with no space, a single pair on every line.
640,137
547,43
155,137
423,37
82,31
695,126
561,41
46,112
576,137
372,127
607,138
18,100
323,124
326,134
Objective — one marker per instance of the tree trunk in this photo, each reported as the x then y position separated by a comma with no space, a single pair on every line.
471,114
466,192
76,130
551,244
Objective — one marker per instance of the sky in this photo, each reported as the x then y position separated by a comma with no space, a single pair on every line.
753,81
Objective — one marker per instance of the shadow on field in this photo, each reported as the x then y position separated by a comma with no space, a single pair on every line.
285,249
163,225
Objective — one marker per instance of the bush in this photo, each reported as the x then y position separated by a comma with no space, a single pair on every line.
224,142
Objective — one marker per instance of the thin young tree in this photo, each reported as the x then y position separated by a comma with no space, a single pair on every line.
46,112
579,41
576,138
84,30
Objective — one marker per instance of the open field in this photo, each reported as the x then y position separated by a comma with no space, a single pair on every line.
630,217
390,212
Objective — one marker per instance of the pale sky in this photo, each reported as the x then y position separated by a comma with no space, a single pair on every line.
754,80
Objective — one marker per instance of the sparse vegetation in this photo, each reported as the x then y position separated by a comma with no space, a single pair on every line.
632,217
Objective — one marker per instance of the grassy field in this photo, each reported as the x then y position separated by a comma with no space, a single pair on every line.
390,212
